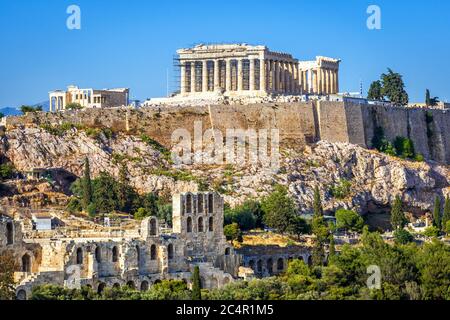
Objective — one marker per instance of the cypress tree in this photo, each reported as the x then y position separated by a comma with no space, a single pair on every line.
332,251
318,210
428,98
320,231
446,215
437,212
398,219
196,285
87,185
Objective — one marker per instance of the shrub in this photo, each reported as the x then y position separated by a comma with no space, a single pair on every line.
6,171
74,205
431,232
142,213
447,227
402,236
404,147
342,189
349,220
232,232
92,210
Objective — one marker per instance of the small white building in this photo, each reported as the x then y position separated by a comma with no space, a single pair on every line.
42,221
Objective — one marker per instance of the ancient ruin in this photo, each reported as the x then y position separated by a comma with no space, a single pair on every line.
88,98
241,69
137,258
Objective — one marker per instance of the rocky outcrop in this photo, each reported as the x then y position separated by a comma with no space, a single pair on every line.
373,179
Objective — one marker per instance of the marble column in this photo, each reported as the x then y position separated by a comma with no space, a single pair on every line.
193,77
216,75
252,74
205,76
262,75
240,75
337,80
228,75
277,77
183,78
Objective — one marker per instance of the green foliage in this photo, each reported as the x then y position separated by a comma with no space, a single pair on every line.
168,290
8,266
91,210
349,220
142,213
394,88
404,148
6,171
375,91
242,215
402,236
232,232
86,185
437,212
446,214
196,284
74,106
156,145
430,102
342,189
447,227
398,219
431,232
320,231
279,209
26,109
74,205
2,115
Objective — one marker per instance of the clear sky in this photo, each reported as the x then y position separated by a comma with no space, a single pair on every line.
132,43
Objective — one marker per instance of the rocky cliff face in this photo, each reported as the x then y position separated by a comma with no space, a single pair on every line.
372,179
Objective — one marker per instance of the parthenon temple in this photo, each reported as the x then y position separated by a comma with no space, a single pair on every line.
241,69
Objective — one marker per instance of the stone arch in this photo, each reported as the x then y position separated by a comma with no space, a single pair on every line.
202,282
115,254
26,263
280,264
170,251
310,262
210,203
144,285
153,228
9,233
138,255
259,266
269,265
200,203
153,252
21,295
227,251
214,283
79,256
251,264
131,284
200,224
116,286
101,287
189,203
211,224
98,254
189,225
226,280
157,281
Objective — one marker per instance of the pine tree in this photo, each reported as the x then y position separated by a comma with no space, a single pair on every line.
375,91
318,210
437,212
196,285
446,215
87,185
427,98
398,219
332,251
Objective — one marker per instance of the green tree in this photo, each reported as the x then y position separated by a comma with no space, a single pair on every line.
349,220
232,232
319,230
26,109
404,148
394,88
279,209
332,249
375,91
437,212
402,236
398,219
430,102
104,196
196,284
446,215
142,213
7,267
87,185
298,227
168,290
2,115
242,215
74,106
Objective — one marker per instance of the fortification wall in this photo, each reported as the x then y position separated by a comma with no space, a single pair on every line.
299,123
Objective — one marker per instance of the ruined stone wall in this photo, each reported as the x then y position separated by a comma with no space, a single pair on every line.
299,123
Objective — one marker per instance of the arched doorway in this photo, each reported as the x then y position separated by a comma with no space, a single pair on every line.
259,266
214,283
116,286
310,262
211,224
26,263
280,264
101,287
21,295
131,285
227,251
189,224
200,224
79,256
98,254
144,285
153,252
9,233
170,251
251,265
115,254
269,266
153,227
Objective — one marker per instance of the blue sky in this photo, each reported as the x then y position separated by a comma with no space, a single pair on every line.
131,43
